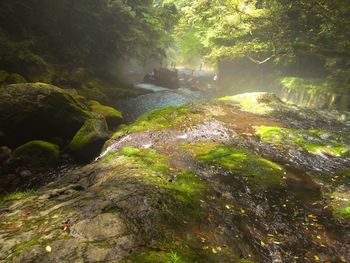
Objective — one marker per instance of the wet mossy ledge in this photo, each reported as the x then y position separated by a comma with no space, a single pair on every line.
165,118
258,173
313,141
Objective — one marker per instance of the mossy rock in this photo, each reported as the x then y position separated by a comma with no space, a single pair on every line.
258,173
255,102
313,141
41,111
157,120
15,78
88,141
3,76
38,154
94,90
113,117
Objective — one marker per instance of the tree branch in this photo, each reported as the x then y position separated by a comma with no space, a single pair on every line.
258,62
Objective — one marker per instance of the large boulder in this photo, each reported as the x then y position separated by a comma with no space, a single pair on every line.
32,111
89,140
37,154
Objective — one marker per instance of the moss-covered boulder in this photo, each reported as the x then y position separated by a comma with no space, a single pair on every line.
89,140
38,154
31,111
113,117
3,76
15,78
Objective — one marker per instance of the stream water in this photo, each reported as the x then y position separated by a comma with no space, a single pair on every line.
159,98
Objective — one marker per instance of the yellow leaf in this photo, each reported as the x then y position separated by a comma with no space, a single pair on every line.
48,249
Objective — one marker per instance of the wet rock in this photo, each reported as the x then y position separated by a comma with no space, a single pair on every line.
88,141
205,188
102,227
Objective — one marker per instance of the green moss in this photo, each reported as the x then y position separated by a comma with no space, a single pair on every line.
38,153
25,245
159,257
341,204
130,151
148,159
313,141
187,188
16,196
343,212
245,261
255,102
88,141
3,76
258,172
112,116
15,78
157,120
200,147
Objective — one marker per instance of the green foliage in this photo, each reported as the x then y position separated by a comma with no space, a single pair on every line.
313,141
38,154
295,34
37,36
295,83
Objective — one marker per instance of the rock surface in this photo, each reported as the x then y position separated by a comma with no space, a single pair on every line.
35,111
198,183
88,141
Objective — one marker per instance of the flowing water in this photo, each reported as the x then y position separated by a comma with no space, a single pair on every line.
160,98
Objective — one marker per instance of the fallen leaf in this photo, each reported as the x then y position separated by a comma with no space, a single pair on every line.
48,249
197,230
